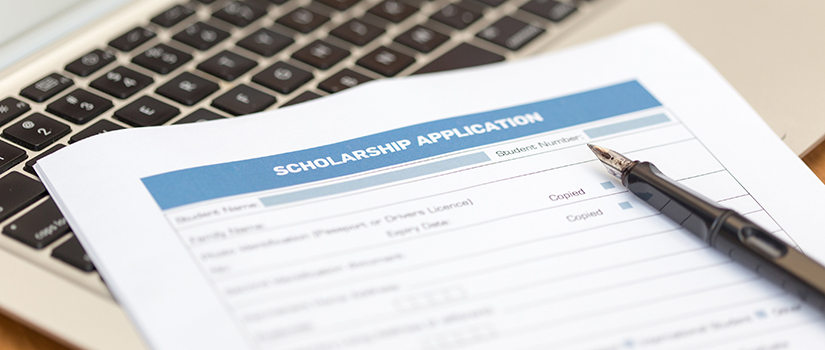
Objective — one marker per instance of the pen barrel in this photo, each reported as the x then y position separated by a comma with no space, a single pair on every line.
731,233
689,209
802,276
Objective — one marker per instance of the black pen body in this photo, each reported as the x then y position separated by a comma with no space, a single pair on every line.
729,232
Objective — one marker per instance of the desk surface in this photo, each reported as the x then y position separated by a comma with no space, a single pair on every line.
14,336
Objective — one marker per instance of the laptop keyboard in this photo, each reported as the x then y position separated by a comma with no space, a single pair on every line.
207,60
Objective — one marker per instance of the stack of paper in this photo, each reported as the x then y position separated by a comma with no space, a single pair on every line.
453,210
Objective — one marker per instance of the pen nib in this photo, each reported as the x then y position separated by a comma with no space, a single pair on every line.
614,161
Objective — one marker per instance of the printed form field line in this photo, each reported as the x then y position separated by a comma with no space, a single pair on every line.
356,322
424,236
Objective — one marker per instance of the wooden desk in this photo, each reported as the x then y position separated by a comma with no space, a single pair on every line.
14,336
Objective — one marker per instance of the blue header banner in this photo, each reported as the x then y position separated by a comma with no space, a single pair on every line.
414,142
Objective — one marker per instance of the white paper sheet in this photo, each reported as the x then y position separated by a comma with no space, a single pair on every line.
393,216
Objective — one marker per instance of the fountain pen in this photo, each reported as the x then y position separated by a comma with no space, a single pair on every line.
724,229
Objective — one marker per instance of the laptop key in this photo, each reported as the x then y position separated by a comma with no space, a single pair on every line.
29,167
303,97
393,10
510,33
162,58
493,3
342,80
17,191
72,253
243,99
265,42
132,39
36,131
10,156
91,62
201,36
321,54
200,115
386,61
282,77
553,10
11,108
187,88
303,20
121,82
99,127
240,13
339,5
227,65
463,55
172,16
357,32
146,111
79,106
456,16
39,227
422,38
46,87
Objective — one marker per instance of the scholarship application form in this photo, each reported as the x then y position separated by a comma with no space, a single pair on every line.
460,210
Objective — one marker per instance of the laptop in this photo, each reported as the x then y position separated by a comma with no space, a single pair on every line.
72,69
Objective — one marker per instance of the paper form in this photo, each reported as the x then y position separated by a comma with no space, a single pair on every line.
473,218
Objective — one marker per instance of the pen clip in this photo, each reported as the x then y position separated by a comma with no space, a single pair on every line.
762,242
